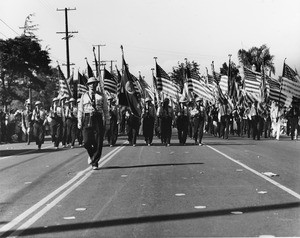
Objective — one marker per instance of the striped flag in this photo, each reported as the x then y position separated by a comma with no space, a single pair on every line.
275,93
165,84
289,73
290,89
81,85
146,88
198,87
224,84
110,83
64,88
252,82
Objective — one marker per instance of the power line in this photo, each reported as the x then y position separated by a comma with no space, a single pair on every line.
9,27
3,35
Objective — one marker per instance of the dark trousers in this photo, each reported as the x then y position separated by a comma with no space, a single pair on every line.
148,127
79,136
38,132
71,130
198,128
182,128
224,126
112,133
56,130
294,125
255,127
249,127
166,129
93,132
64,132
133,126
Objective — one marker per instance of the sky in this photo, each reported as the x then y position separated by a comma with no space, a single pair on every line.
171,30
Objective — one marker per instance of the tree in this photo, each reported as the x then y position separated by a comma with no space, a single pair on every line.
234,71
258,56
178,74
23,67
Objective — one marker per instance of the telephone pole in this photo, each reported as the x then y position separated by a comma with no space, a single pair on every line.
67,37
111,64
99,62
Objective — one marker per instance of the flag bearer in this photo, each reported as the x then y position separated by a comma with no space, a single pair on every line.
71,121
93,118
200,117
166,116
148,117
112,133
183,117
39,120
56,122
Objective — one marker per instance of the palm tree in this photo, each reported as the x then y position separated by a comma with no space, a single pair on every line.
260,57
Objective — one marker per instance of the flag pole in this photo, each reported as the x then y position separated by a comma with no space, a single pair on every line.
279,96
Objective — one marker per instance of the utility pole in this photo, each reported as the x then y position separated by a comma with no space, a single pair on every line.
67,37
99,62
111,64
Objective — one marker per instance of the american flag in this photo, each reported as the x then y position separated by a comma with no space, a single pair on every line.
275,93
252,81
64,88
197,85
81,85
224,84
110,83
210,79
289,73
165,84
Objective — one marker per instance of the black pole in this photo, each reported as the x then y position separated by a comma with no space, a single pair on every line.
67,43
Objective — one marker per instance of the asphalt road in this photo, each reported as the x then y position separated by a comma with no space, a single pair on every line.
215,190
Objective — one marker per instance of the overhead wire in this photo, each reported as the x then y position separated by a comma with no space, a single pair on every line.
9,27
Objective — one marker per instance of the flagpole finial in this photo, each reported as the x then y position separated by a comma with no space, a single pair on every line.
155,59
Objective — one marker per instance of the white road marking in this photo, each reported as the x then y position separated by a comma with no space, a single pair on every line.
291,192
85,173
199,207
179,194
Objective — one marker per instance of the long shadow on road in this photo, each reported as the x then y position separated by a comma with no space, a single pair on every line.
147,165
151,219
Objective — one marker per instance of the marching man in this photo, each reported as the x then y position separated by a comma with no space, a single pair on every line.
94,119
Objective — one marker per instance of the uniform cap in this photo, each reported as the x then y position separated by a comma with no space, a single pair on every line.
91,80
37,103
27,101
72,100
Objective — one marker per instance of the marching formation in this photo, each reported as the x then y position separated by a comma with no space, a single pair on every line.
106,109
96,116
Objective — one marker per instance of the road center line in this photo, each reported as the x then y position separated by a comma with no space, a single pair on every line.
291,192
85,173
